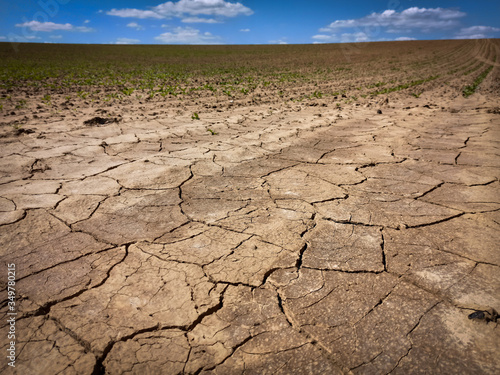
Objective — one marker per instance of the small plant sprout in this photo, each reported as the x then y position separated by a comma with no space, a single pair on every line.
82,94
46,99
211,131
21,104
128,91
195,116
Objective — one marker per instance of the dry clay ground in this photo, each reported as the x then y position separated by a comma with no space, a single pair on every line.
295,239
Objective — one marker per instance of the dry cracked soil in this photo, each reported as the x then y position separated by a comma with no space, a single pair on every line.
289,239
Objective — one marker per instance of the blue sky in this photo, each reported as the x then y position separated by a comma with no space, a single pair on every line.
244,21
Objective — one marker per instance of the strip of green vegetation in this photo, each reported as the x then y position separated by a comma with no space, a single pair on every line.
404,86
471,89
473,69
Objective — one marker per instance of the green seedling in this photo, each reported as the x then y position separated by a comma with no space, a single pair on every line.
128,92
195,116
46,98
211,131
21,104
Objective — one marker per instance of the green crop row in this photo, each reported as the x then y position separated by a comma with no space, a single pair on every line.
405,85
471,89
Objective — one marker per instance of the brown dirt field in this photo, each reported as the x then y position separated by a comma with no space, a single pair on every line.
312,224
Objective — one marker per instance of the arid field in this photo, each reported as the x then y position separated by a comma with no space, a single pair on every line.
267,209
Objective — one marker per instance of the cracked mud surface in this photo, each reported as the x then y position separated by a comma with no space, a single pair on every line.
351,242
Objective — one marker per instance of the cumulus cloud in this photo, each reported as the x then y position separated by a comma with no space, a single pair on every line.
279,41
135,25
354,37
342,38
404,38
187,35
51,26
423,19
182,8
322,38
45,26
134,13
127,41
477,32
83,29
199,20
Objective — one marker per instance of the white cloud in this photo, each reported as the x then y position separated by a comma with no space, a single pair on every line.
324,38
45,26
32,37
477,32
51,26
404,38
279,41
135,25
3,37
127,41
134,13
186,7
199,20
187,35
354,37
206,7
245,30
83,29
56,36
423,19
343,38
86,21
